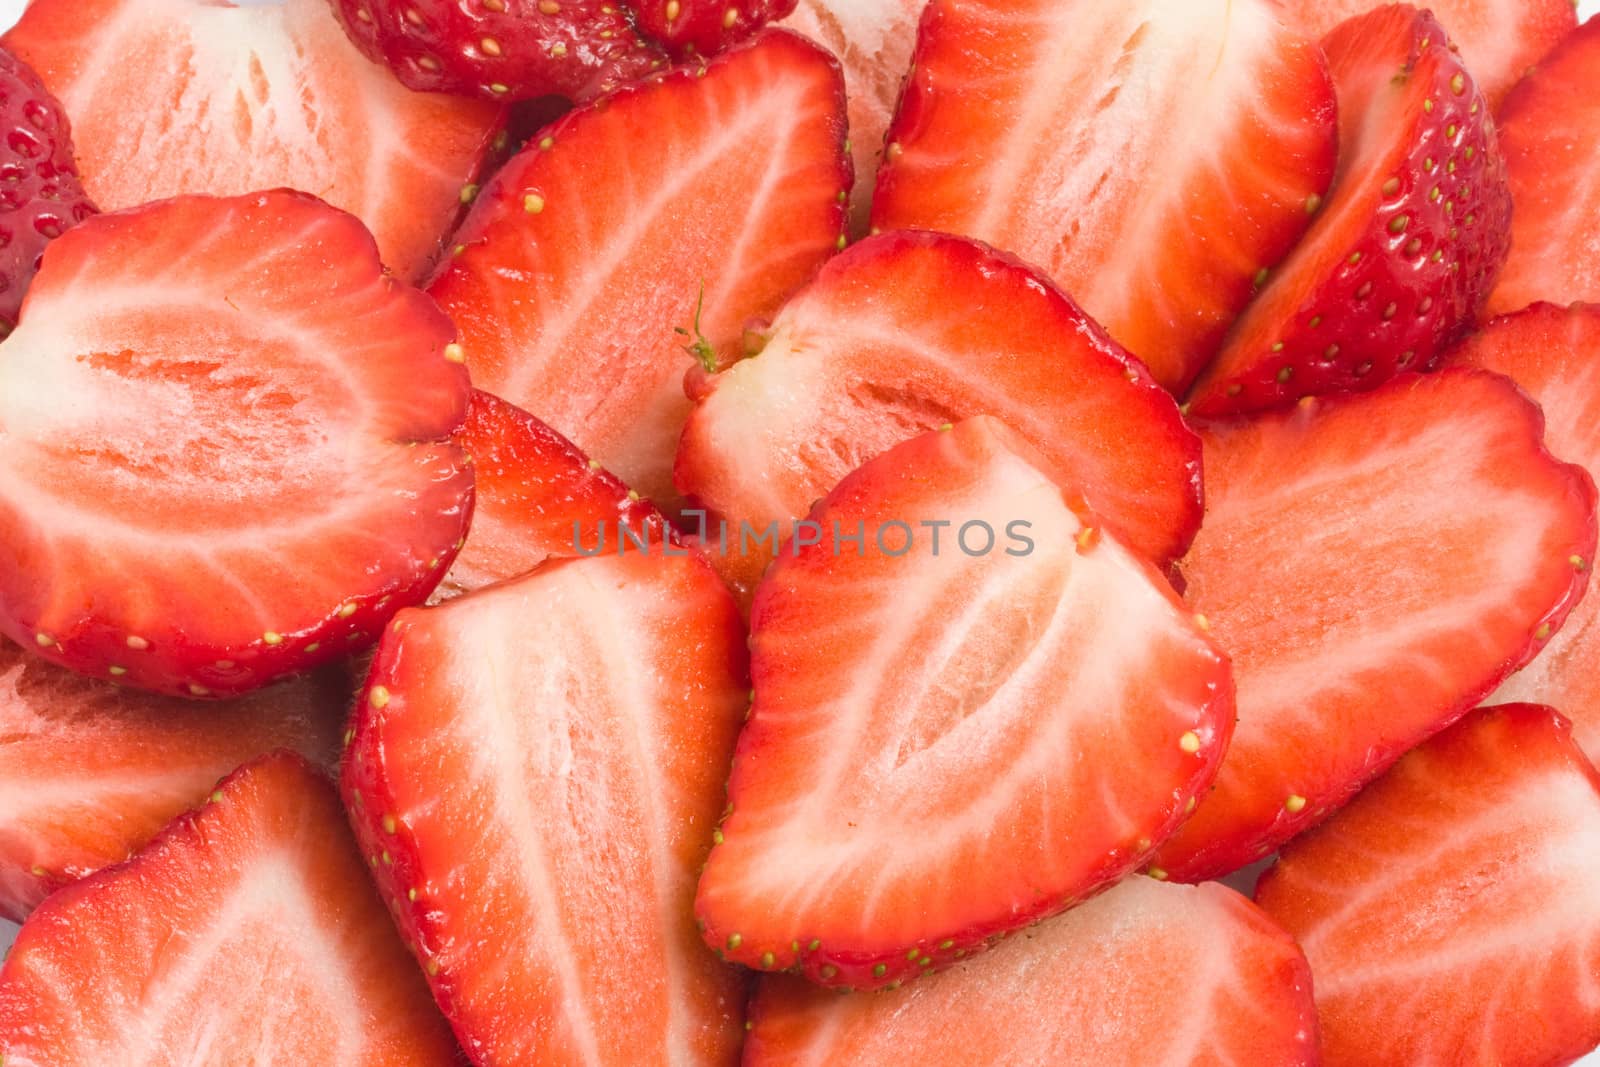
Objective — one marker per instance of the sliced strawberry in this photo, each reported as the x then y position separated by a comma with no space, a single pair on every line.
906,332
979,712
584,257
1550,134
691,28
536,496
223,451
194,96
1408,243
1498,39
1448,912
89,771
1148,975
1150,155
535,772
246,933
1375,565
1554,354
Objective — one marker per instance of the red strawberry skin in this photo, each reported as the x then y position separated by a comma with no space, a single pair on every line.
705,27
1448,911
40,194
1407,244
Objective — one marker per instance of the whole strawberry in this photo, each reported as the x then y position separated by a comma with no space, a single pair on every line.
40,196
706,27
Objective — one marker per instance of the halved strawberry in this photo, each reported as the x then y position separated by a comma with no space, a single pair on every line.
1498,39
536,496
585,256
90,771
1375,564
1408,243
1448,912
691,28
1554,354
535,773
194,96
903,333
246,933
1148,975
1152,156
223,445
1550,134
973,708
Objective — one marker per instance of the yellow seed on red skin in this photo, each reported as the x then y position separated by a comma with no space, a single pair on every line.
533,203
730,18
455,353
489,46
1189,742
378,696
428,63
43,640
674,9
389,824
1295,804
547,7
138,644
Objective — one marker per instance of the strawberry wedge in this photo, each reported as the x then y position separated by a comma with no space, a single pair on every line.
658,221
1408,243
903,333
230,461
535,773
973,708
246,933
169,97
1375,564
1152,156
1148,975
1448,912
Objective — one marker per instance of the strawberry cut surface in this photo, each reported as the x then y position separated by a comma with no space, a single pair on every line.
1147,975
1150,155
246,933
903,333
1448,911
231,462
1375,564
585,255
169,97
1407,244
950,742
536,771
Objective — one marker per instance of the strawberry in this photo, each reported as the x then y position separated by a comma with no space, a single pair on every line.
1405,248
222,100
582,258
905,332
1554,354
1148,975
502,50
1448,912
691,28
1375,564
536,770
1550,134
247,932
40,195
1150,155
90,772
952,736
1498,39
536,496
223,451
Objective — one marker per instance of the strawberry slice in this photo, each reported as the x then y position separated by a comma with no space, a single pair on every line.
908,331
1151,155
198,96
1148,975
1375,564
705,27
1498,39
973,708
584,256
1554,354
89,771
246,933
1448,912
227,462
1550,134
537,497
535,771
1408,243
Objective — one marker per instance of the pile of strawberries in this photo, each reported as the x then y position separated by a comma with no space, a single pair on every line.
838,532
